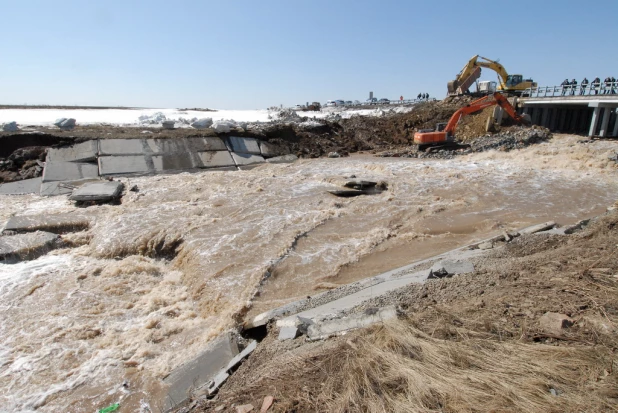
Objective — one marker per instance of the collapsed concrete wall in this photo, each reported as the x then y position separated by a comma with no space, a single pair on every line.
69,167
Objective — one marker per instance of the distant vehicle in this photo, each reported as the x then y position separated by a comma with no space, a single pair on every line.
299,107
356,103
339,103
384,101
372,101
330,103
348,102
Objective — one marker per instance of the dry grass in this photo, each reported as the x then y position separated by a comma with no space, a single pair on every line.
398,368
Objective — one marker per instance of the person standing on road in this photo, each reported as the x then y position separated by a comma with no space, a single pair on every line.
595,85
565,86
607,85
584,86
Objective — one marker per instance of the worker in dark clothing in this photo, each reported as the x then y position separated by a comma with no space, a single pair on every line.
573,86
596,83
613,91
584,86
607,85
420,95
565,86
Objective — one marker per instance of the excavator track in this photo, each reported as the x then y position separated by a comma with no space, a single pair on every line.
449,146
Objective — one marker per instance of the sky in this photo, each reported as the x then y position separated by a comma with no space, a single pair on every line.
252,54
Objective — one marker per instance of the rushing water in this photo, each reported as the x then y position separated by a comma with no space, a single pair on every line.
104,321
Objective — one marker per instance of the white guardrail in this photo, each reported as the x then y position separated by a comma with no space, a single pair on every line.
592,89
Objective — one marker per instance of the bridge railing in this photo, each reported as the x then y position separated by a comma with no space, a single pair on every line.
591,89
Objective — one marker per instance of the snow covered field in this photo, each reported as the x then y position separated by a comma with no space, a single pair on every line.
154,117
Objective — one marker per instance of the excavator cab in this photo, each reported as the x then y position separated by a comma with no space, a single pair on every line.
514,80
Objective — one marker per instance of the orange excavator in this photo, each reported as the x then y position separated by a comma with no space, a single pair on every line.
444,136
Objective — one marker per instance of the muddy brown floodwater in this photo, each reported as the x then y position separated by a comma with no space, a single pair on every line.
155,278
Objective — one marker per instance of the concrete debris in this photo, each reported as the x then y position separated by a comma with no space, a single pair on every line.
360,185
214,385
325,329
104,191
30,246
58,224
448,268
245,408
64,123
202,123
287,115
288,333
538,228
243,159
267,403
168,124
10,127
576,227
26,186
486,245
201,370
614,157
334,155
283,159
554,323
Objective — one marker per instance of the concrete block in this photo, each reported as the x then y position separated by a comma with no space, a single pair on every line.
22,247
168,124
55,188
174,162
81,152
69,171
243,159
244,145
328,328
283,159
98,191
124,147
218,380
448,268
125,165
486,245
216,159
205,144
538,228
202,123
58,224
288,333
27,186
268,150
200,371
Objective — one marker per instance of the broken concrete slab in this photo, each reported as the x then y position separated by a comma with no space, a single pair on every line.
200,371
21,247
268,150
202,123
288,333
325,329
81,152
58,224
26,186
213,386
243,145
102,191
538,228
59,187
486,245
216,159
448,268
69,171
243,159
283,159
360,185
125,165
109,147
168,124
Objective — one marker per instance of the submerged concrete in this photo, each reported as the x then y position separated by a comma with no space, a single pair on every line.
243,159
27,186
58,224
30,246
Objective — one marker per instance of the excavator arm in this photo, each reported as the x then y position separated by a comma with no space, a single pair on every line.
441,137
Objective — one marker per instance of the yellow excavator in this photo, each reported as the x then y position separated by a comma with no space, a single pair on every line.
509,84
